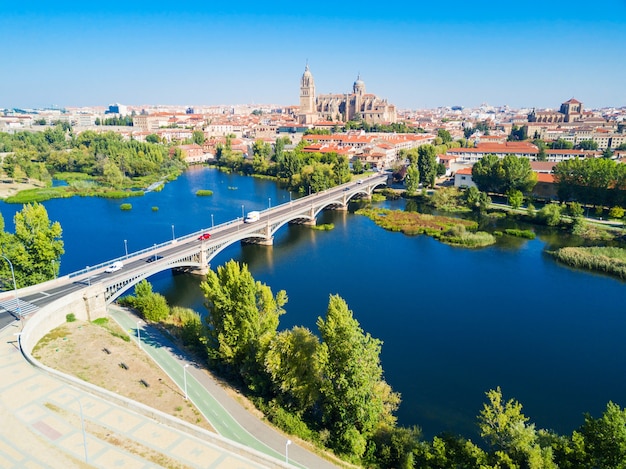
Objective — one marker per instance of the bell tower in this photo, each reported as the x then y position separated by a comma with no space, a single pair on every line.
307,92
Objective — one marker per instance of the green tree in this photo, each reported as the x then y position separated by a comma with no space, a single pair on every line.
561,144
427,164
487,173
444,135
505,428
36,247
616,212
515,198
587,145
357,166
152,138
242,320
198,137
476,200
294,363
355,399
550,214
605,438
412,179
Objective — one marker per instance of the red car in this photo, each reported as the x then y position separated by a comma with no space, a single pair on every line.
204,236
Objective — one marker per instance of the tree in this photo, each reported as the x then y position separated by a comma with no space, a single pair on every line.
487,173
412,179
515,198
242,318
36,247
616,212
152,138
476,200
561,144
355,399
293,361
605,438
444,135
198,137
427,164
587,145
575,210
357,166
505,428
550,214
518,133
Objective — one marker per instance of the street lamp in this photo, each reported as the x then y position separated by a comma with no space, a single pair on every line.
185,378
173,237
17,301
82,421
138,334
287,451
269,202
126,247
212,221
242,212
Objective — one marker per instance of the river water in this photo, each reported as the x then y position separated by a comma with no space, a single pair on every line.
454,322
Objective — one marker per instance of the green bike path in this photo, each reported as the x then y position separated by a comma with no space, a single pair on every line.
201,389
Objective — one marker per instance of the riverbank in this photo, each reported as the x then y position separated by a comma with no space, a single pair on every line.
10,187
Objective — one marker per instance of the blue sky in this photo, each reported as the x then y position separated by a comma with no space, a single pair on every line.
524,54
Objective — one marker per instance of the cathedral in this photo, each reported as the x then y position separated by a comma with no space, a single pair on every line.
342,107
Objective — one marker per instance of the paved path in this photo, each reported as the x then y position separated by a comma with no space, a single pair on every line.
40,426
225,414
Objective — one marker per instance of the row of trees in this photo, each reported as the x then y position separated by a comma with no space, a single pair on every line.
303,171
106,157
595,181
329,387
34,249
334,385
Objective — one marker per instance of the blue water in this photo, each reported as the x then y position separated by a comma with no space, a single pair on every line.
454,322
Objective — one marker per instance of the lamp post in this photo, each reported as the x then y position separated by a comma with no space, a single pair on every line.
138,334
82,421
185,378
126,247
17,301
212,221
287,451
173,237
242,212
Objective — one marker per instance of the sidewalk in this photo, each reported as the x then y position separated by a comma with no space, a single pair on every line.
42,427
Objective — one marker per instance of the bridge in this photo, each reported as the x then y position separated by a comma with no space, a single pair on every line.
87,292
187,252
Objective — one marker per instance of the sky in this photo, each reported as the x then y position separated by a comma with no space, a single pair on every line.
414,54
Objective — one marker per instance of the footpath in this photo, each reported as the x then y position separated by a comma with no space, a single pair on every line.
42,420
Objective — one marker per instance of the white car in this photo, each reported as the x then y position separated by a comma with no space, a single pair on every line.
114,267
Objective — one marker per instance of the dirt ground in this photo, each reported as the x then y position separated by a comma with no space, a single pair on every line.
10,187
97,354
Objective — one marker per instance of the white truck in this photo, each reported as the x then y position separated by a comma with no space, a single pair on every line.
253,216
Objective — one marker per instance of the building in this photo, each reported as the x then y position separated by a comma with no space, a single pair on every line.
342,107
571,111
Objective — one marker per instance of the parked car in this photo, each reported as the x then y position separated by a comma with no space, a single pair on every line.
204,236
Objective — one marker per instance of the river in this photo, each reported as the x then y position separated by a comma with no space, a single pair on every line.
455,322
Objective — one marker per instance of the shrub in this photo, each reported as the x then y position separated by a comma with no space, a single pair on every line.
324,227
616,212
71,317
155,209
528,234
550,214
126,206
204,192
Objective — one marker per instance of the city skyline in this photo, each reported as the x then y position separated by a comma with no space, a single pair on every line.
416,56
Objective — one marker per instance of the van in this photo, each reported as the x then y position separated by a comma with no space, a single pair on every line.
252,217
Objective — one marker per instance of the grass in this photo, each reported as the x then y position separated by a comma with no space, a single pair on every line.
58,333
113,329
608,260
528,234
448,230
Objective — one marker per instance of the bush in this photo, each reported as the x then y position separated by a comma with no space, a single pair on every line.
155,209
204,192
71,317
528,234
126,206
616,212
550,214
